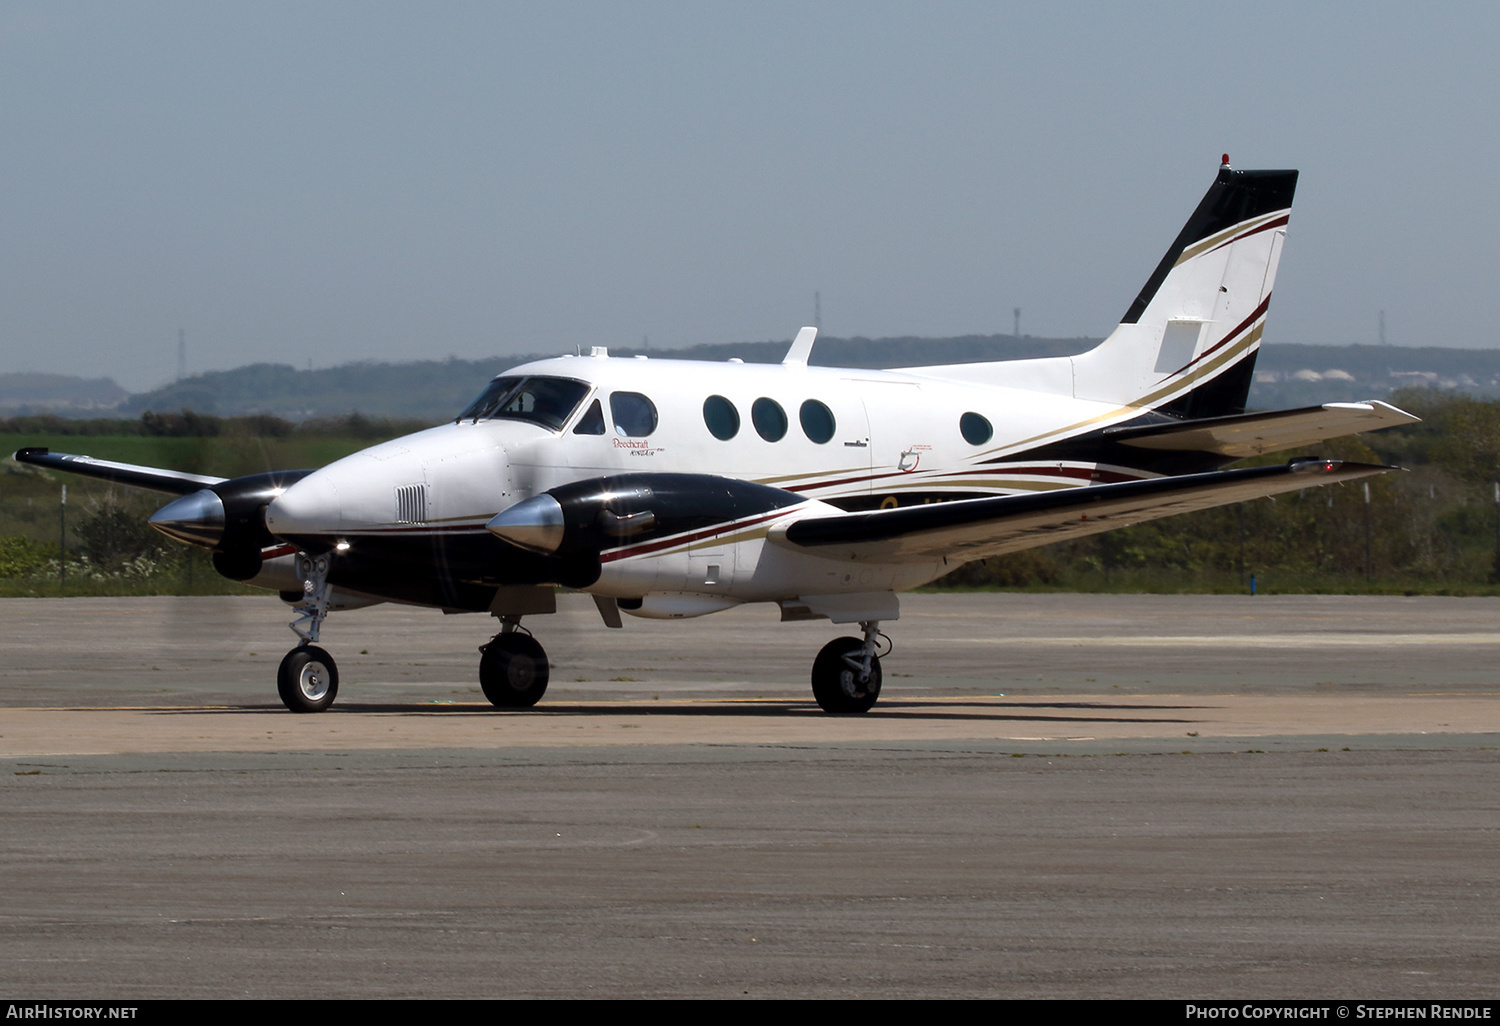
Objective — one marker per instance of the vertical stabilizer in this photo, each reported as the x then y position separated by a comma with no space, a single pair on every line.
1187,345
801,348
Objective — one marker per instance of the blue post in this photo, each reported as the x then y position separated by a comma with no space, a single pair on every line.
1252,584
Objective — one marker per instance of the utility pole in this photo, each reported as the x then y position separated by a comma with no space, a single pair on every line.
1495,572
1367,530
62,539
1016,330
1239,511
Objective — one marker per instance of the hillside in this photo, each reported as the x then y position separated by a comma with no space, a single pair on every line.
437,389
433,390
23,394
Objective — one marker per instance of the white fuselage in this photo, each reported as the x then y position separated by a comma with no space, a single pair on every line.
896,438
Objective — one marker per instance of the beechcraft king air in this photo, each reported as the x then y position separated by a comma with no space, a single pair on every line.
668,489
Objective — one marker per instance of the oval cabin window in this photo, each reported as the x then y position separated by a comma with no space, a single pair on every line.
817,421
722,418
769,419
975,429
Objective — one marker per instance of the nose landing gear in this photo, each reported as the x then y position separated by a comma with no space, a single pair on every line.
308,678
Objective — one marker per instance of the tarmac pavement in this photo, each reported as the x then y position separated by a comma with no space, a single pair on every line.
1098,796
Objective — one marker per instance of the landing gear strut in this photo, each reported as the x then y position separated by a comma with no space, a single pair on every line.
308,679
846,674
513,670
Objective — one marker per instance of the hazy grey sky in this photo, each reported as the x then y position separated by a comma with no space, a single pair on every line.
344,181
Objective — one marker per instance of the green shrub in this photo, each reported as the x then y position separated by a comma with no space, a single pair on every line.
21,557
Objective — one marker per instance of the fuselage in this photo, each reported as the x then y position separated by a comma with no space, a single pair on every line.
409,515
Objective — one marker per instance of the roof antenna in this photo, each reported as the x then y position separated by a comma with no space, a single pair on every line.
1224,164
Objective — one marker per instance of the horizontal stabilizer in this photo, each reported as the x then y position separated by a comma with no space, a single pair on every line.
172,481
1253,434
977,528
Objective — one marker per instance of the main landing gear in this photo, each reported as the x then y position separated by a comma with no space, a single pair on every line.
846,674
513,670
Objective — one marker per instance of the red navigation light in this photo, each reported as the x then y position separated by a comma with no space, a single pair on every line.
1226,160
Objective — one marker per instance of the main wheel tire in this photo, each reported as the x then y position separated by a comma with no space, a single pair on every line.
308,679
513,671
836,685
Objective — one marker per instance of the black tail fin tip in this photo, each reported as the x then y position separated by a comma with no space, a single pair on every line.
1234,197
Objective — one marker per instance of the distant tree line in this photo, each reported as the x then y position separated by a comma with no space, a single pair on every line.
1433,527
189,424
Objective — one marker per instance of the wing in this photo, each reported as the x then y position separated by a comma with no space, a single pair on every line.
977,528
1252,434
172,481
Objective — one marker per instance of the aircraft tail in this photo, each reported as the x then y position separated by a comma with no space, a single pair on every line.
1188,343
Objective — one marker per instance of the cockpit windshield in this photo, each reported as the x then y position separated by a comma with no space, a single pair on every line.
545,401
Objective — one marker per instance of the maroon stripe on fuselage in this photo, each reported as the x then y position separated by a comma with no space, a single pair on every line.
1076,473
687,539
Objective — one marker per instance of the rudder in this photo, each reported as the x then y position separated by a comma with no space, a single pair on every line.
1188,342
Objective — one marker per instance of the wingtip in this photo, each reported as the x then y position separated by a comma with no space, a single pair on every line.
1345,468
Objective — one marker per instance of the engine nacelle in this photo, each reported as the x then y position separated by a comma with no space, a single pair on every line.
586,518
229,518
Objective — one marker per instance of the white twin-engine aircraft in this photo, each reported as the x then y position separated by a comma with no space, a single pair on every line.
669,488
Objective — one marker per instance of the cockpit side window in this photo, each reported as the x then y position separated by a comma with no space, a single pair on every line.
634,414
545,401
592,422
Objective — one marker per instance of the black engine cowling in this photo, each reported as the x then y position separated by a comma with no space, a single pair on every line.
585,518
229,518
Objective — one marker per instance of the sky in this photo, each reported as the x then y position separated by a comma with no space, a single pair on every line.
328,182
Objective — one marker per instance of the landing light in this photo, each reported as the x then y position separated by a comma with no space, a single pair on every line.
341,546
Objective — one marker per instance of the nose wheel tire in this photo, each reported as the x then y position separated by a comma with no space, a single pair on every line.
513,671
835,682
308,680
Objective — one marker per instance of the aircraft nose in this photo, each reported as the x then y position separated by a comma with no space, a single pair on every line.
196,519
308,507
